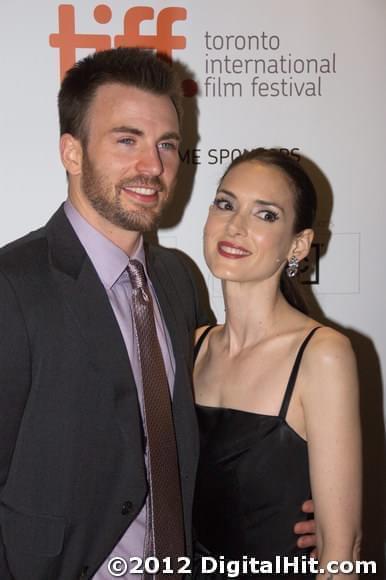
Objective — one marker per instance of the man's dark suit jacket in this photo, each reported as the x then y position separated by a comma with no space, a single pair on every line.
72,473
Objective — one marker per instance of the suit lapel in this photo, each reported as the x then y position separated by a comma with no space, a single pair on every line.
168,300
87,300
165,285
172,312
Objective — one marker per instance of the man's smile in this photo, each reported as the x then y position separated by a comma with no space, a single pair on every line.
146,195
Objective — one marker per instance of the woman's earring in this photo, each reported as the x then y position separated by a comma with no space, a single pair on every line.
293,267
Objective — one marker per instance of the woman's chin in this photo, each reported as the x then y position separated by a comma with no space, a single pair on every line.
227,274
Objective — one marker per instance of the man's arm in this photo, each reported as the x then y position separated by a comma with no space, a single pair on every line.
15,374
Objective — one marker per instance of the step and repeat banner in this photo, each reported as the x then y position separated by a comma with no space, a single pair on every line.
306,76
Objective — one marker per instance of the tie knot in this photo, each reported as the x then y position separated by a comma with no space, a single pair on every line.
137,274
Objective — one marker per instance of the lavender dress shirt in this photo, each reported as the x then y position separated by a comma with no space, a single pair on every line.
110,263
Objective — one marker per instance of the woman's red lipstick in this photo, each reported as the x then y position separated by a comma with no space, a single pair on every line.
232,251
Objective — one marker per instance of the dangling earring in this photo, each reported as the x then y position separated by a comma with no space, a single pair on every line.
293,267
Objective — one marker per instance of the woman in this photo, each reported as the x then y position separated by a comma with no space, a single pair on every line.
276,392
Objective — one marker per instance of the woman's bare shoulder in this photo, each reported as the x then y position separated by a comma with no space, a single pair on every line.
199,332
328,345
329,371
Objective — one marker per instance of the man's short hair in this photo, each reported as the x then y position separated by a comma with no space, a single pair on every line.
135,67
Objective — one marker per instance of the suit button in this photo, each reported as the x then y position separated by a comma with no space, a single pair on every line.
126,508
83,572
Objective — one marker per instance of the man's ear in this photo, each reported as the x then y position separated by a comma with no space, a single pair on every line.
302,244
71,154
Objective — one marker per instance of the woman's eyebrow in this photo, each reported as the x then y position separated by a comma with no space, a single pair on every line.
222,190
266,202
257,201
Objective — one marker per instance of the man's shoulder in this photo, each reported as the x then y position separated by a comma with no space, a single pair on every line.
24,252
160,252
31,251
175,261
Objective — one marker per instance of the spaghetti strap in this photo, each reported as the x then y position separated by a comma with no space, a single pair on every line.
201,340
294,374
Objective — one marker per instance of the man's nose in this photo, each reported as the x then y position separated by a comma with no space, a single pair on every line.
149,161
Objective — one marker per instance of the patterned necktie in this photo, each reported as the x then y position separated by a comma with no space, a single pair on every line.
166,515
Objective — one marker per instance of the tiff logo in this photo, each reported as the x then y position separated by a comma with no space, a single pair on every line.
163,41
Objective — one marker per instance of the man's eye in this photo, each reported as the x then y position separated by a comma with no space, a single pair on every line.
268,216
126,140
223,204
168,145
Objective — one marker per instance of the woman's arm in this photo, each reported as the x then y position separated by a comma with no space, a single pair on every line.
329,394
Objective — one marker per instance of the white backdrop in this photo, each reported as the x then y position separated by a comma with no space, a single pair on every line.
307,76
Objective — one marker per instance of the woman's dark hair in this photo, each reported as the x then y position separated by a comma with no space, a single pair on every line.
305,203
135,67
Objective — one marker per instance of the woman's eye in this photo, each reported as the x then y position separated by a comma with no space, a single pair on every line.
268,216
223,204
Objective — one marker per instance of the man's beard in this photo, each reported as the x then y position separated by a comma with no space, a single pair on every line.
98,191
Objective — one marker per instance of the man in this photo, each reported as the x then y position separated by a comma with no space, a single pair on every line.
77,455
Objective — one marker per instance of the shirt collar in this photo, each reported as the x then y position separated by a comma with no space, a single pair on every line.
109,261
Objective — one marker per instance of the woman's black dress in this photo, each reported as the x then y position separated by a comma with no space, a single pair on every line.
252,479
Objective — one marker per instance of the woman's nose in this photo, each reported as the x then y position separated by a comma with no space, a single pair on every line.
237,225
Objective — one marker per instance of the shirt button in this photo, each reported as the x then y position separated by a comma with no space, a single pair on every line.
126,508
